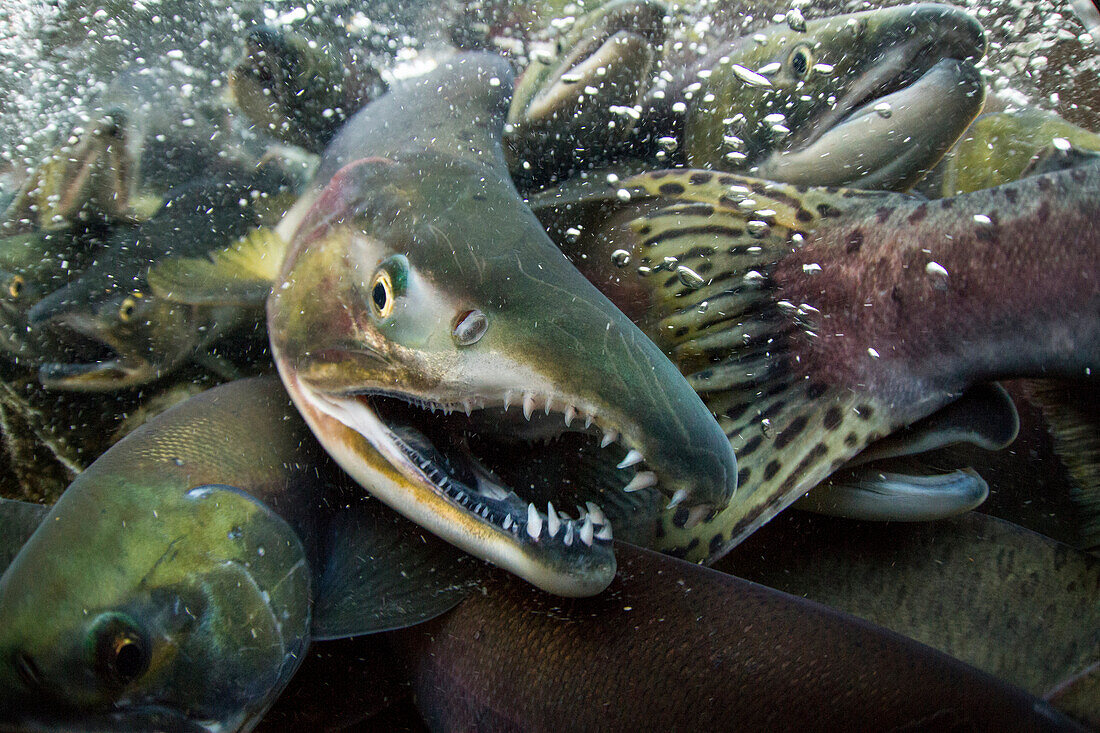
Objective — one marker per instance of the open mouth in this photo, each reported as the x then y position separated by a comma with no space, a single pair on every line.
94,360
554,483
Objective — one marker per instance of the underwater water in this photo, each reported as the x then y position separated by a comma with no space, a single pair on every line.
347,347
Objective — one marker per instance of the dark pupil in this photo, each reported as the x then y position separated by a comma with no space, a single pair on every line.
379,295
129,660
798,61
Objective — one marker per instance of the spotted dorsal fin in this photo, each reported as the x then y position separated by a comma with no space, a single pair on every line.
240,274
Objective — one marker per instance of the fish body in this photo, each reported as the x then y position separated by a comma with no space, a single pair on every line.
138,336
441,291
815,322
998,148
1021,606
658,650
178,581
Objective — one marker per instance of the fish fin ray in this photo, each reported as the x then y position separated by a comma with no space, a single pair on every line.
240,274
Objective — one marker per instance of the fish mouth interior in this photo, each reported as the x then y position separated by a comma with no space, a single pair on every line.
550,480
92,355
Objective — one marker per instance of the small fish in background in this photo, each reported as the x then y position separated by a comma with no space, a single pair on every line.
89,176
232,542
674,646
133,336
297,91
32,266
815,322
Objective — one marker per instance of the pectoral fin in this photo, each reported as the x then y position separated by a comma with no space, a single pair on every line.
382,572
241,274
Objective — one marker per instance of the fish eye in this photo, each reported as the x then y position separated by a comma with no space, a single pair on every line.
801,61
381,294
128,308
15,287
120,651
389,283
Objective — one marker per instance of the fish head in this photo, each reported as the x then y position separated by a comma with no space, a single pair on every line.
807,90
151,610
124,335
419,317
603,67
282,82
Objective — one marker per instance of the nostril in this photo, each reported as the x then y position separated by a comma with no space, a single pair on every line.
27,670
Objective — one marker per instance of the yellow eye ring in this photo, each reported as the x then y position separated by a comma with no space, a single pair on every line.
381,294
126,310
801,61
15,287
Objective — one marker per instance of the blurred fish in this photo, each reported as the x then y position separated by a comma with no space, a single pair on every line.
673,646
32,266
300,92
814,322
178,581
91,173
134,336
420,281
1011,602
1004,147
867,100
579,105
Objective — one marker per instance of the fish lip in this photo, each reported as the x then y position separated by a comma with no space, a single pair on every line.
900,66
576,560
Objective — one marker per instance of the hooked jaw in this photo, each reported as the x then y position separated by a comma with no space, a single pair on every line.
416,455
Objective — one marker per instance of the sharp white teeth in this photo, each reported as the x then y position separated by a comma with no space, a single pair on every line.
677,498
609,437
641,480
697,514
553,523
597,514
568,540
587,531
507,400
528,405
632,458
508,521
604,533
466,406
587,422
570,413
546,407
534,522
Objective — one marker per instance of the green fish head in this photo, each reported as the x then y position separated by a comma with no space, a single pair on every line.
412,296
131,337
131,609
787,91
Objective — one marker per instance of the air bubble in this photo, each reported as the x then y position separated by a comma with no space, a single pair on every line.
620,257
